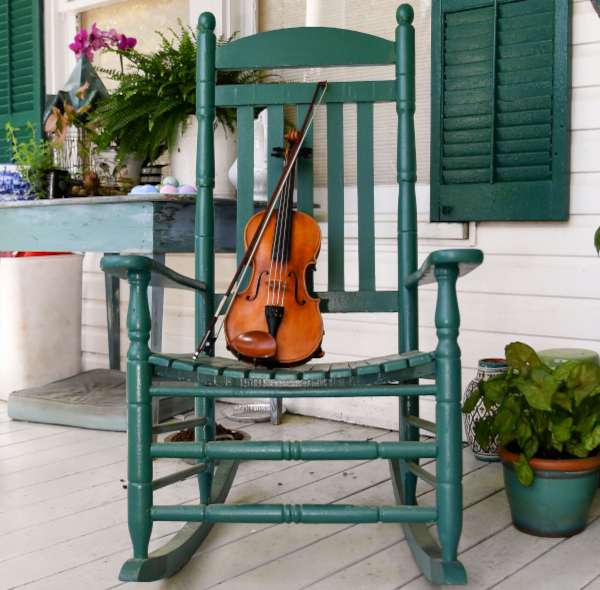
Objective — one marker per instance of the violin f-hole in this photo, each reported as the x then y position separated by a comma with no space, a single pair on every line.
258,286
296,289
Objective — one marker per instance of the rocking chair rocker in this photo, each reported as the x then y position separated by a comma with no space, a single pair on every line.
395,375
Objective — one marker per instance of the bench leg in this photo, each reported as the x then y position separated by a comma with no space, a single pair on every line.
205,407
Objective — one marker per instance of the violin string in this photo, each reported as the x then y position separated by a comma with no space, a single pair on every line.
284,235
280,238
287,230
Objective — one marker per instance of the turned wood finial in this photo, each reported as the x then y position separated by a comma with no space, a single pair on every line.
207,21
405,14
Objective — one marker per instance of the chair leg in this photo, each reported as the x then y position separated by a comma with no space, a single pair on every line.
409,406
205,407
139,416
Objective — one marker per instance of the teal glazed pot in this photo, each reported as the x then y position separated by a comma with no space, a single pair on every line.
558,501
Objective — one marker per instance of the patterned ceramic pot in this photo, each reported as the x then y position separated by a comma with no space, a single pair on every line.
486,369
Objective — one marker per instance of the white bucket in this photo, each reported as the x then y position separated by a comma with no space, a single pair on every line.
40,320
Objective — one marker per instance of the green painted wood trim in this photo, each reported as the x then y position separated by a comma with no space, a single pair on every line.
205,172
167,480
245,166
306,170
424,547
301,93
34,45
407,175
325,391
287,513
421,424
421,473
162,276
466,260
304,47
295,450
172,556
358,301
335,196
546,186
179,425
366,196
448,413
274,139
139,414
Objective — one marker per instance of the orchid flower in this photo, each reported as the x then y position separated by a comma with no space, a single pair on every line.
96,40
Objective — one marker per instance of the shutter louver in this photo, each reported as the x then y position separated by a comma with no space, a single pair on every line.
501,151
21,68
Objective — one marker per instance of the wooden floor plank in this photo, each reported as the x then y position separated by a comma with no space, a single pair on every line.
213,566
35,432
77,449
114,451
511,548
50,442
593,585
555,568
98,542
15,426
353,544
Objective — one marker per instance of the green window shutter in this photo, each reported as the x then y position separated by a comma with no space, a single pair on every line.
21,67
500,110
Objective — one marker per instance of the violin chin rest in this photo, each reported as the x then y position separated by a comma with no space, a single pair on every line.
255,344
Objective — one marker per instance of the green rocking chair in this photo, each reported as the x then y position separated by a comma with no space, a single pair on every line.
395,375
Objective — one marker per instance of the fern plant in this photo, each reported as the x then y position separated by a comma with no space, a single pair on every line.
155,96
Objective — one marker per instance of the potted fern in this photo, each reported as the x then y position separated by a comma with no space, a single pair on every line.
548,423
153,108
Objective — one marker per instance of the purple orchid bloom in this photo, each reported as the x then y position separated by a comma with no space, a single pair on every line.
96,39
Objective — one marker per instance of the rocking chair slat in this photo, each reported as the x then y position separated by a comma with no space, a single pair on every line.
245,174
335,195
167,480
305,171
366,196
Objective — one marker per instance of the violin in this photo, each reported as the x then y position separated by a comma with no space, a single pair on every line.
274,321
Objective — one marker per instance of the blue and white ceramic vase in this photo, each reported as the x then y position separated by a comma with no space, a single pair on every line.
12,185
486,369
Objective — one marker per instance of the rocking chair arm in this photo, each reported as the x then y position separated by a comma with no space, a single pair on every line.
465,259
160,275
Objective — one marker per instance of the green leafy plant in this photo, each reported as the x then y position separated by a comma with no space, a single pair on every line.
33,156
155,95
543,413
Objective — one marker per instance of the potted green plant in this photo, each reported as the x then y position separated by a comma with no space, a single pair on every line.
153,107
35,160
548,424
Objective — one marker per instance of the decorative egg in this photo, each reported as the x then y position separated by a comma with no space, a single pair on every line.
168,189
187,189
170,181
144,189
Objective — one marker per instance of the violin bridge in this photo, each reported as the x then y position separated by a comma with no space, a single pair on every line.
277,284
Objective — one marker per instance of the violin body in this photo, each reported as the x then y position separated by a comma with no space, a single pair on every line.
278,284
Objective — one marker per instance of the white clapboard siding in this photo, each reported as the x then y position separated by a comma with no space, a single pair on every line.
539,283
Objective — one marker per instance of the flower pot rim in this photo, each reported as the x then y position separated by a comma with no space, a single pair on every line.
566,465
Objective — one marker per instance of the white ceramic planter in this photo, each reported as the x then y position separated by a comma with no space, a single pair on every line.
260,158
40,320
183,158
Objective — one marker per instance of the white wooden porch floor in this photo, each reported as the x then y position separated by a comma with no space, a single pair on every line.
63,521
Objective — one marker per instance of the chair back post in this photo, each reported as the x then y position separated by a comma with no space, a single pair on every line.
205,171
407,175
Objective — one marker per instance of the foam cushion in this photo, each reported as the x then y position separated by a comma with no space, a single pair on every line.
94,399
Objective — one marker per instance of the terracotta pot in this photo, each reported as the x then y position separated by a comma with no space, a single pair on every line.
558,501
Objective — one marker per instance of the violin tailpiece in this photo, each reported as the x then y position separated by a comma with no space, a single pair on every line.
274,315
